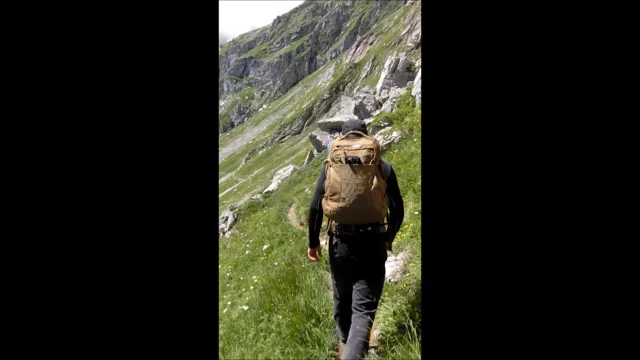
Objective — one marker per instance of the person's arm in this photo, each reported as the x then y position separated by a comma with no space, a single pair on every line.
396,206
316,213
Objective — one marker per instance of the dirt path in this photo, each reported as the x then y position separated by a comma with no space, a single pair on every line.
300,225
291,214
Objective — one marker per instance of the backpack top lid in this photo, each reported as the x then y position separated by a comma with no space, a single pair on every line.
355,143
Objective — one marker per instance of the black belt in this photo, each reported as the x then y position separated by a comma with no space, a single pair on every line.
349,229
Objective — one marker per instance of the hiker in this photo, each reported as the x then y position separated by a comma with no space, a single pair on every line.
358,239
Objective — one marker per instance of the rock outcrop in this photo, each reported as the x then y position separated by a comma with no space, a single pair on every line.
387,137
364,102
227,219
274,58
417,88
396,73
282,174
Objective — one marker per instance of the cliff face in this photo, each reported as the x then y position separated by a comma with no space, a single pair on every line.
271,60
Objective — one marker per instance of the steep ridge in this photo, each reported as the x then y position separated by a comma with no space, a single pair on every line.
262,65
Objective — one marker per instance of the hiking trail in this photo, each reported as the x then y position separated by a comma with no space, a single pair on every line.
293,220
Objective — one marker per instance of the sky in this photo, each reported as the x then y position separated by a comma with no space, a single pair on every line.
238,17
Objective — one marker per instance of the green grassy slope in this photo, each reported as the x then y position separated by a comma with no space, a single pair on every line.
288,305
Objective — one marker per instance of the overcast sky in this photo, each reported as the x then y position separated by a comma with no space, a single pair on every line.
238,17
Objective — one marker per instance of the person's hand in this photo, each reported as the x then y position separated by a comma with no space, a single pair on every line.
314,253
388,245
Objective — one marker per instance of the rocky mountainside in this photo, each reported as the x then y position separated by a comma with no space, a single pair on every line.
260,66
285,91
313,68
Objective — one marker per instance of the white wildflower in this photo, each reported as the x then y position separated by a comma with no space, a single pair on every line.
244,307
254,276
246,252
224,311
416,212
275,264
229,303
265,247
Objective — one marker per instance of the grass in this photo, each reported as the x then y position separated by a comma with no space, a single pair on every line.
289,311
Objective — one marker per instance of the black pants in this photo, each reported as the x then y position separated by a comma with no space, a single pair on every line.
357,274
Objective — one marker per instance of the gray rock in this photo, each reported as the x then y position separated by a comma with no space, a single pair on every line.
417,88
282,174
387,137
319,139
395,93
395,265
387,106
308,158
335,123
257,197
341,107
389,67
364,102
395,74
227,219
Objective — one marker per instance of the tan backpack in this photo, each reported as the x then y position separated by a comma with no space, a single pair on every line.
355,188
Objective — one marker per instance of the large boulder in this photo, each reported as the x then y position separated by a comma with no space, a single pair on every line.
387,137
364,102
417,88
282,174
335,123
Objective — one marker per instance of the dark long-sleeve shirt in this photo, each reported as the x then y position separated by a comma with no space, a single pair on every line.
396,208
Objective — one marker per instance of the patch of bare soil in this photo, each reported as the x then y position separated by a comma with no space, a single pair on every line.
291,214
